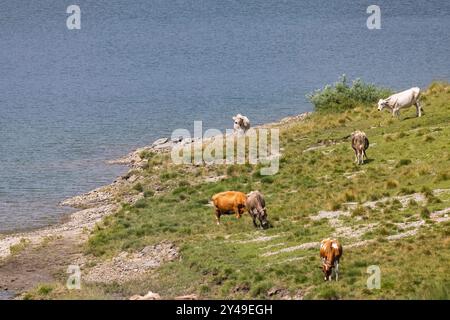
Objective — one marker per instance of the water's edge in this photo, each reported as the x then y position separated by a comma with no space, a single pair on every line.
91,207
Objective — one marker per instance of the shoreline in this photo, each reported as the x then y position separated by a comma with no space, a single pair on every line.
91,207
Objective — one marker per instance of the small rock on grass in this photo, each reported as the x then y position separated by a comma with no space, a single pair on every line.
149,296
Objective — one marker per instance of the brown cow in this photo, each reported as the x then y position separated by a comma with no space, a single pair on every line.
360,144
330,253
256,207
229,202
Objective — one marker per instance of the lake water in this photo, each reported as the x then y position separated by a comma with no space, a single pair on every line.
137,70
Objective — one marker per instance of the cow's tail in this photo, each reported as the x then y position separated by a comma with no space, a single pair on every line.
360,147
214,197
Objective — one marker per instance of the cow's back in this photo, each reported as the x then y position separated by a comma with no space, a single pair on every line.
330,249
228,199
255,200
359,139
405,98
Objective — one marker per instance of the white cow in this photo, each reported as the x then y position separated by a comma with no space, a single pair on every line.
402,100
241,124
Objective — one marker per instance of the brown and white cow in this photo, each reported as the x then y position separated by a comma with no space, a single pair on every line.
330,253
241,124
360,143
256,207
402,100
229,202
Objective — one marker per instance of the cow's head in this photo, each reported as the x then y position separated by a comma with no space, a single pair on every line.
238,120
382,104
241,122
263,218
326,268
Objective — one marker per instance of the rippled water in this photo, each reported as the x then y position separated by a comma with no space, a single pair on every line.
69,100
6,295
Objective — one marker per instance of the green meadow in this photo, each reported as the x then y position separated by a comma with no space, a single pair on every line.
383,212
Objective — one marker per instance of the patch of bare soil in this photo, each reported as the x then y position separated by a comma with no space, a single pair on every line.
74,229
326,143
355,232
284,294
128,266
303,246
351,175
38,264
260,239
441,215
404,200
53,249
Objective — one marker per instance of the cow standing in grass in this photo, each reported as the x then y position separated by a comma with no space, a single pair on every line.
360,143
229,202
256,207
330,253
402,100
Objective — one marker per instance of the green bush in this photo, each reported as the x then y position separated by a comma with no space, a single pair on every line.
146,154
342,96
138,187
403,162
45,289
141,203
425,213
149,193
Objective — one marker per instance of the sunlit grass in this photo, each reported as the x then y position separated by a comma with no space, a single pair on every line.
405,156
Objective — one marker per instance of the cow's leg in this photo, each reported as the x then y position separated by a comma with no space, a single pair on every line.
356,156
396,113
337,269
241,210
238,212
260,223
360,157
418,109
365,155
217,216
254,220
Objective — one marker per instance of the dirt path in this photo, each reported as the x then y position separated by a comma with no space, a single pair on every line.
39,264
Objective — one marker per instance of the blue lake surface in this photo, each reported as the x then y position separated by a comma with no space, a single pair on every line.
137,70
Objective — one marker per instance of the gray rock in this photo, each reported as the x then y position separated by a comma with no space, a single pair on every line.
160,141
177,140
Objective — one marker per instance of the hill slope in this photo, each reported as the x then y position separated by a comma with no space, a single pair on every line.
392,212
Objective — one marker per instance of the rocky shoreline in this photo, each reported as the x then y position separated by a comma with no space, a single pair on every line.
105,200
30,258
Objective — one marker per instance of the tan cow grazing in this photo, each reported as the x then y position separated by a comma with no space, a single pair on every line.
360,143
229,202
256,207
330,253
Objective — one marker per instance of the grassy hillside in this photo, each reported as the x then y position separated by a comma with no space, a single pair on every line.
384,213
